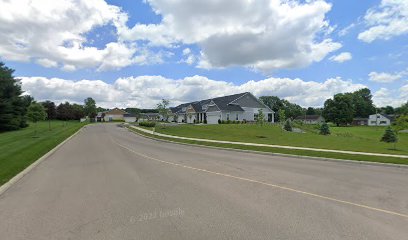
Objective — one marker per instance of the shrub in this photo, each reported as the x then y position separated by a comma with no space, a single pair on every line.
324,129
147,124
219,121
389,136
234,122
228,121
288,125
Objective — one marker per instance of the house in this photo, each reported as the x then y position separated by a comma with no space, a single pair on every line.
360,121
380,120
311,119
114,114
150,117
237,107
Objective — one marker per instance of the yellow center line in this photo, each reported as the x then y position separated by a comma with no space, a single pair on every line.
266,184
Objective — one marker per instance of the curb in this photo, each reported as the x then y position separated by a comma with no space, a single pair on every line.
336,160
20,175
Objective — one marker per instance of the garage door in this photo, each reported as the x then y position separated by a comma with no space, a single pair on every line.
212,119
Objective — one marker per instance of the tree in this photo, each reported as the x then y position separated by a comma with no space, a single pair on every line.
163,110
261,117
90,107
401,123
310,111
13,105
390,137
403,110
324,129
362,103
282,116
51,109
291,110
288,125
340,109
35,113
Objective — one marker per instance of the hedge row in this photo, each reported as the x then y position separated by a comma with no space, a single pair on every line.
147,124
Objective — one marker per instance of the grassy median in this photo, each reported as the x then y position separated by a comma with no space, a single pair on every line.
18,149
342,156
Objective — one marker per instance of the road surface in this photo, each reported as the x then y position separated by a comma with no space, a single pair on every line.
109,183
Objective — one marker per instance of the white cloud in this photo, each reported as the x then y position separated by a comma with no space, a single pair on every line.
54,33
385,97
342,57
385,21
264,35
384,77
147,91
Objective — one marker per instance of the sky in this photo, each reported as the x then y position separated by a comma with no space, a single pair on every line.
132,53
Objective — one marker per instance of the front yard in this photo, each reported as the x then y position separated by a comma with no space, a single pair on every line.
18,149
361,139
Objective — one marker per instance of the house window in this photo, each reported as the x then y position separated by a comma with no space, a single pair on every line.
204,107
228,116
183,109
373,122
383,122
255,116
236,117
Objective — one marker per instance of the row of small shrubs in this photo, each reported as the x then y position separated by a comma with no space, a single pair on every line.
147,124
205,121
231,122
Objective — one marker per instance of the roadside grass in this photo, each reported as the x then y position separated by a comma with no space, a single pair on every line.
340,156
18,149
359,138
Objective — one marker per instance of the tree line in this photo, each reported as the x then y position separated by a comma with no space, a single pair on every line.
340,110
17,108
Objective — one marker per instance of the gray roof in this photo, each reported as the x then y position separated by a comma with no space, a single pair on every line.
223,103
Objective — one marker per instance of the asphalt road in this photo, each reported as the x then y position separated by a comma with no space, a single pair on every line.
108,183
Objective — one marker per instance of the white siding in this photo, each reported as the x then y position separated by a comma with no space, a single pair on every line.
130,119
212,117
378,120
250,112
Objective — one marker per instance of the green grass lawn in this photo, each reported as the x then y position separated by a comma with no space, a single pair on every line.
18,149
361,138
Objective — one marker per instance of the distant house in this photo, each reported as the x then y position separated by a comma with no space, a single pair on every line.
380,119
111,115
360,121
311,119
237,107
150,117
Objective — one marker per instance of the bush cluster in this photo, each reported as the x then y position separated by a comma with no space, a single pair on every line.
147,124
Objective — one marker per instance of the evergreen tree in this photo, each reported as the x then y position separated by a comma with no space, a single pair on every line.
389,136
13,106
324,129
288,125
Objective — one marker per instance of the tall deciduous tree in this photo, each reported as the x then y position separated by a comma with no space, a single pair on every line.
90,107
340,109
362,103
13,106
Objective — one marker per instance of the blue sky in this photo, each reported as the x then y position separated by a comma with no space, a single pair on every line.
133,53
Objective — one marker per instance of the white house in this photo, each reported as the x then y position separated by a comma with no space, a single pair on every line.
379,120
311,119
237,107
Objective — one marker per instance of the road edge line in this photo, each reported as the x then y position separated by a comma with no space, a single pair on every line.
20,175
323,159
